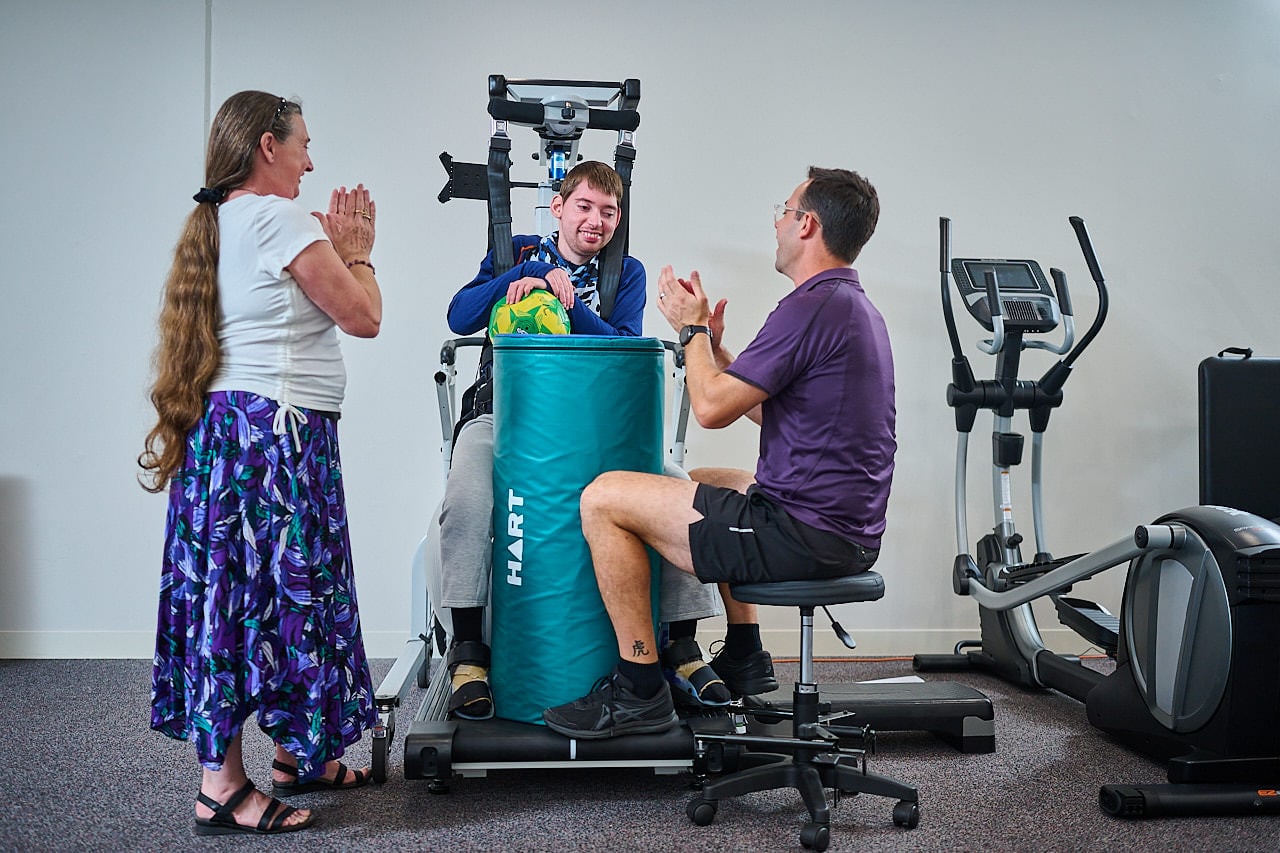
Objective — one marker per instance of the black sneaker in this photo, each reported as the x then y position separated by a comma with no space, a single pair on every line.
692,680
612,709
749,676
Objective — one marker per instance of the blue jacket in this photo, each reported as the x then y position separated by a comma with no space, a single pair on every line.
470,308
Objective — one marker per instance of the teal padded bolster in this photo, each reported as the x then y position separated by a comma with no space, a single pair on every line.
566,408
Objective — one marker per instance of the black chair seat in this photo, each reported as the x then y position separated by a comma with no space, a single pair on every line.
865,586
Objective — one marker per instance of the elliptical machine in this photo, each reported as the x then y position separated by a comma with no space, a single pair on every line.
1195,682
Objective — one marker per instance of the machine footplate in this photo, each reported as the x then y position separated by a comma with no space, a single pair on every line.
955,713
1091,621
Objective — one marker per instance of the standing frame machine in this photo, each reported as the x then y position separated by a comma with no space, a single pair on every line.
438,749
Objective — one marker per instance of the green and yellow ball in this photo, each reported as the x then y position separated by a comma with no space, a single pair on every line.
539,313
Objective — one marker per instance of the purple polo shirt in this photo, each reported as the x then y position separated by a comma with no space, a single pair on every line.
827,432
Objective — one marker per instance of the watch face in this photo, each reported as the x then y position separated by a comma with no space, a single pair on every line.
687,333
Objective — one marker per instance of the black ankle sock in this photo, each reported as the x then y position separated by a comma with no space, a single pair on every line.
468,623
685,628
741,640
646,678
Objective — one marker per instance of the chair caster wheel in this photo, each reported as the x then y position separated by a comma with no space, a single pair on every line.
438,786
701,811
906,814
815,836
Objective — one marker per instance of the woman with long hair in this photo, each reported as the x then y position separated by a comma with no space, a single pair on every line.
257,596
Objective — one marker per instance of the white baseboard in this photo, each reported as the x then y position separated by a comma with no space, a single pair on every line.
75,645
782,642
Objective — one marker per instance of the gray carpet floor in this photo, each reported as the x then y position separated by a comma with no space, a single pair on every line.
80,770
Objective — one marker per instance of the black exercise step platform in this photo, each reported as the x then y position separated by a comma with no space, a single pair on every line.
957,714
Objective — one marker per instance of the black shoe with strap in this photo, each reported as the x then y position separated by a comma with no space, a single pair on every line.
748,676
692,680
469,670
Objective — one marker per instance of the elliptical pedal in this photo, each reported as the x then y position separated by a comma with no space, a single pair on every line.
1092,621
1023,572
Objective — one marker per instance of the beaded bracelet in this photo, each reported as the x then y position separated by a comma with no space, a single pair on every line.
351,264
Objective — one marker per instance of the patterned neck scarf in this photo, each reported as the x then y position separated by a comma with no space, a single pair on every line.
585,278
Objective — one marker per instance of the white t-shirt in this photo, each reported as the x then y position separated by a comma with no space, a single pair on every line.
275,342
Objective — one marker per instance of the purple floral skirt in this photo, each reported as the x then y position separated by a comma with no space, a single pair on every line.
257,595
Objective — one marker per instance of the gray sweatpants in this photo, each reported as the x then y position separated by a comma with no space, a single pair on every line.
466,536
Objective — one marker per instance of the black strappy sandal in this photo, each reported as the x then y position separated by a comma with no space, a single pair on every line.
223,822
339,783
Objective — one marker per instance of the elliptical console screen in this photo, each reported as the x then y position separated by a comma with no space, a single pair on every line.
1027,302
1010,275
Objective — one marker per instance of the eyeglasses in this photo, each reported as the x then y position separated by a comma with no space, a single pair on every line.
781,210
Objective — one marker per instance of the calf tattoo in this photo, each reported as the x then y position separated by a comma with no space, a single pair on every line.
638,649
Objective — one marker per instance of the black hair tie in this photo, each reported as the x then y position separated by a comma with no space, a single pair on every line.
208,195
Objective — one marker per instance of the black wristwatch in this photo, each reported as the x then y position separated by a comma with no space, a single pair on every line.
687,333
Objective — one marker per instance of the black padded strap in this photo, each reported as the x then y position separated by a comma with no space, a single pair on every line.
469,651
611,263
499,173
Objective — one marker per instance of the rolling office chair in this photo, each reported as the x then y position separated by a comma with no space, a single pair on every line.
813,758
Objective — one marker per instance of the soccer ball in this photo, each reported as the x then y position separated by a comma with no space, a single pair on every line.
539,313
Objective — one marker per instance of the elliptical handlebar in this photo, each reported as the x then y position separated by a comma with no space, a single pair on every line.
1086,247
961,371
1060,287
997,316
1056,376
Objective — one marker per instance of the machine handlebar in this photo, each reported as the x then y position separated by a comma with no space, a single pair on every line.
993,295
449,349
523,112
534,113
944,245
944,267
613,119
1060,287
1087,247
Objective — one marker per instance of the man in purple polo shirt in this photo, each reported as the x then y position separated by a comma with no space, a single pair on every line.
818,379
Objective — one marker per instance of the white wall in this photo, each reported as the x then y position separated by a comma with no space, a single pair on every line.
1156,121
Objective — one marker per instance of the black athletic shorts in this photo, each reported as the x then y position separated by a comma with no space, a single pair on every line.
749,539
